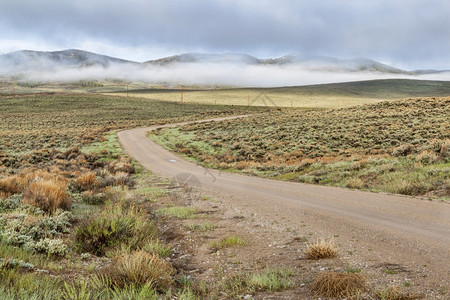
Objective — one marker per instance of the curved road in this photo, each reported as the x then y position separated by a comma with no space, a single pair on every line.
400,227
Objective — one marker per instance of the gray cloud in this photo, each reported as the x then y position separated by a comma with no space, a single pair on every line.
408,33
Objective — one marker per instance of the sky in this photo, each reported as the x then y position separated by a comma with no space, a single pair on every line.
408,34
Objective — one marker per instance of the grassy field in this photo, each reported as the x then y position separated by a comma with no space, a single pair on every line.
45,121
10,86
396,146
325,95
314,96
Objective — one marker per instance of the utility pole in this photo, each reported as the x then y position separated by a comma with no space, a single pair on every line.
127,89
248,100
14,90
181,100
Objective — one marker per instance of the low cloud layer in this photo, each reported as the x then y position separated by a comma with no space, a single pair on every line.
213,74
412,34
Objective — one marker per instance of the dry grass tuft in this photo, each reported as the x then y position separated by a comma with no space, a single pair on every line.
16,184
141,268
47,195
86,181
13,184
321,249
394,293
334,284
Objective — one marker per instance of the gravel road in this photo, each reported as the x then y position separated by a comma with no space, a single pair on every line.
411,232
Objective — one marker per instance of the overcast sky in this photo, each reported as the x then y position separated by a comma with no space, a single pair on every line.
409,34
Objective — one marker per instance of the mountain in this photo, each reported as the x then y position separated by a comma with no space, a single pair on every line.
309,63
26,60
206,58
329,64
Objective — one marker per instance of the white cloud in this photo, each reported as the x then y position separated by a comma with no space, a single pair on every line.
212,73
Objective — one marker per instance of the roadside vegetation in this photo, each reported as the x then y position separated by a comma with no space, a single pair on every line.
399,146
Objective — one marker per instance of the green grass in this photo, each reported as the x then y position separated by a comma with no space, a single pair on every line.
227,242
158,247
269,280
150,193
9,251
107,149
180,212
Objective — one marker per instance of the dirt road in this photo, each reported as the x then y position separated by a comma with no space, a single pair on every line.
375,228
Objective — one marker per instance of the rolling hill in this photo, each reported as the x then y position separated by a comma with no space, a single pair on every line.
26,60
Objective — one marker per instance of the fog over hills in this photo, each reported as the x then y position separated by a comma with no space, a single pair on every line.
197,68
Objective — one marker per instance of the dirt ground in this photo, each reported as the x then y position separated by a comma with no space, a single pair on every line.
274,243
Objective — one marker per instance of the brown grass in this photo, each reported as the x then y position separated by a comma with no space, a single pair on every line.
321,249
13,184
16,184
334,284
47,195
141,268
86,181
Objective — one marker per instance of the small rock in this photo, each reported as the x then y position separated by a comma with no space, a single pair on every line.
246,297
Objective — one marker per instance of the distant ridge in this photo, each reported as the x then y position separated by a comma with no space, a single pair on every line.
31,60
28,60
311,63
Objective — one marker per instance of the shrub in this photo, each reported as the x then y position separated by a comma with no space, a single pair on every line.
340,285
47,195
141,268
14,263
410,187
37,233
321,249
121,165
122,178
403,150
10,203
117,224
427,157
117,193
356,183
55,247
93,198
